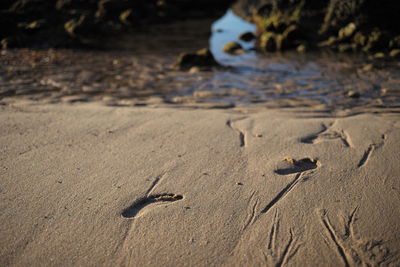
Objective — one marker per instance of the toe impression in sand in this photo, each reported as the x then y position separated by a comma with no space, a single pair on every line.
289,165
133,210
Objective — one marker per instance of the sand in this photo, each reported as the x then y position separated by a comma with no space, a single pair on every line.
91,185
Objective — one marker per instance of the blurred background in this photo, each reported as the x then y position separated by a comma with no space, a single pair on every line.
335,54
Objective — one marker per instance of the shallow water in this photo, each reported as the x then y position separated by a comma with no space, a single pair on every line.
137,71
227,29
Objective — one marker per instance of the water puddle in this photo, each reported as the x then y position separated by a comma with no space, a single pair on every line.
228,29
291,78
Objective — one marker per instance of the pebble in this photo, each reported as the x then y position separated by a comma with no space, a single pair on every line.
233,48
353,94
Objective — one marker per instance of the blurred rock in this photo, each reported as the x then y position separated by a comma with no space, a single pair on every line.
348,25
67,23
379,55
205,94
267,42
353,94
347,31
203,59
301,48
71,25
247,36
233,48
194,70
368,67
395,53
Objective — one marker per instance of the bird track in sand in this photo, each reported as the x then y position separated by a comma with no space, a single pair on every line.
298,167
277,255
367,154
326,134
295,166
353,250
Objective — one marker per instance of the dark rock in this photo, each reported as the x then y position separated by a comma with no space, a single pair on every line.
268,42
247,36
343,48
203,59
301,48
353,94
370,25
233,48
71,25
347,31
395,53
359,25
379,55
68,23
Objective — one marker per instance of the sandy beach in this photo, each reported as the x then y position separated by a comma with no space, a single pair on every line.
199,133
89,185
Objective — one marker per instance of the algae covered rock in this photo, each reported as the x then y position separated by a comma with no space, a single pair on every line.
67,23
233,48
267,42
342,25
203,59
301,48
347,31
395,53
71,25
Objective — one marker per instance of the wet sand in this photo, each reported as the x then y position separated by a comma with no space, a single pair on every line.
89,185
333,82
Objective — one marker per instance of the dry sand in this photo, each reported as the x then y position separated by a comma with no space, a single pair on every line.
89,185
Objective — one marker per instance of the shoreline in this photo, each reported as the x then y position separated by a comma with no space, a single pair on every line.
126,79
